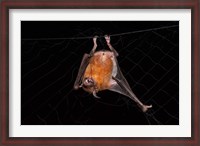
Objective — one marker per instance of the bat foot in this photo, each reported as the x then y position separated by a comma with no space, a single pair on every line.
107,37
146,107
95,40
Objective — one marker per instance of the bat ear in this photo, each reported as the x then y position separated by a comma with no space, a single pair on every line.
95,95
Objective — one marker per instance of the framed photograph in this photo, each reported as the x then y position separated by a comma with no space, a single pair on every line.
99,73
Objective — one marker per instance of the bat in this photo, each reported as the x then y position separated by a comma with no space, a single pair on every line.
99,70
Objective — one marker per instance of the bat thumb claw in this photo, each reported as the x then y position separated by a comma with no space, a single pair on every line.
76,87
146,107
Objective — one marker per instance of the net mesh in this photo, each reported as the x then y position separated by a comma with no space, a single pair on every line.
148,59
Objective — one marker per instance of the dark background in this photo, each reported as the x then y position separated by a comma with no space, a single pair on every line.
51,53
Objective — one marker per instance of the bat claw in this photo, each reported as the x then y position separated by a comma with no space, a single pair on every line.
146,107
107,37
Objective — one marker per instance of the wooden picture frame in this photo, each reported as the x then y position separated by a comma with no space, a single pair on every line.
6,5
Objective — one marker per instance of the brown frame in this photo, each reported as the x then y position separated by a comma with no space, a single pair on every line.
102,4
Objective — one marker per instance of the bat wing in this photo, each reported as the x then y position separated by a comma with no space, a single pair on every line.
82,68
120,85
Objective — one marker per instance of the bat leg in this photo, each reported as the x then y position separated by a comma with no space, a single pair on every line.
85,61
95,95
94,46
110,46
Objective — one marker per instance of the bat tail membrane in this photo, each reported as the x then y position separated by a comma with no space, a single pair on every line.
84,63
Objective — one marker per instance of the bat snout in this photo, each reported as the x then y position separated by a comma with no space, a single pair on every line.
88,82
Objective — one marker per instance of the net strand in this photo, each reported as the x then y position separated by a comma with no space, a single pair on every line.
90,37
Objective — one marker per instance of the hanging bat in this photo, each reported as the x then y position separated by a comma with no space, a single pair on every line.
100,70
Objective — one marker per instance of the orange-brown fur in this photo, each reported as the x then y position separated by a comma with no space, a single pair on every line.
100,69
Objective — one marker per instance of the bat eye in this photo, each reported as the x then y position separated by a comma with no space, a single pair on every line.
88,82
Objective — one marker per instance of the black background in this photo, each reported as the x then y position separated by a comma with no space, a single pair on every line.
148,57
